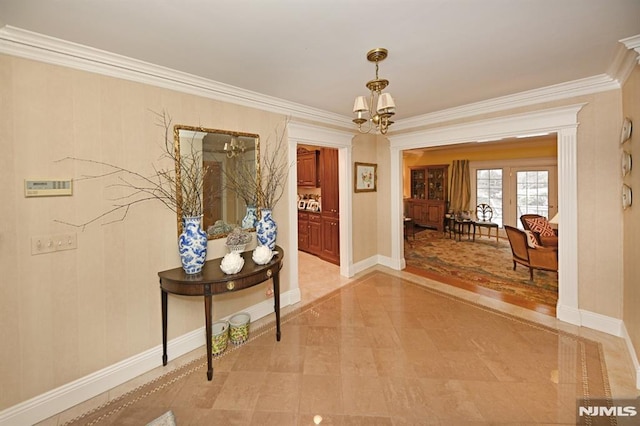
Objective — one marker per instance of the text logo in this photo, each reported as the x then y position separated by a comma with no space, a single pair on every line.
593,410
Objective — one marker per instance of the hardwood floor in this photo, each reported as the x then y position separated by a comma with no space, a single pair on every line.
474,288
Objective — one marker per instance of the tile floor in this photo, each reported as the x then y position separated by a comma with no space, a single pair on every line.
453,390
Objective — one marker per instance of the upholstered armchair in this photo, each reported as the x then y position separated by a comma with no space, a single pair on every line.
527,253
541,228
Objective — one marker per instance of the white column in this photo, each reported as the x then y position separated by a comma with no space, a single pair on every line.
567,308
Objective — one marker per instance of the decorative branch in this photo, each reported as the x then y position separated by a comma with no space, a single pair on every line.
274,171
179,188
242,180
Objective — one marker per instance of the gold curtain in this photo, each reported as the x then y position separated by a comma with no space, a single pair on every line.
460,186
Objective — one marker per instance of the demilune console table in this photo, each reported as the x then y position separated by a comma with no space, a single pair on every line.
211,280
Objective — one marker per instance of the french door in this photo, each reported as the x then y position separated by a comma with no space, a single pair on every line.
533,190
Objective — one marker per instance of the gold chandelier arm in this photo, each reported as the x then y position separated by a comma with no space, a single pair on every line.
378,115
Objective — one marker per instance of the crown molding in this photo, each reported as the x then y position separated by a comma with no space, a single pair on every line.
633,43
585,86
626,58
26,44
491,129
318,135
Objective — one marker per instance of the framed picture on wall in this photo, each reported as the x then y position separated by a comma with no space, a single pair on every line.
365,177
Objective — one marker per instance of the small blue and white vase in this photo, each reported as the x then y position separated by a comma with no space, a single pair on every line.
250,220
192,244
266,229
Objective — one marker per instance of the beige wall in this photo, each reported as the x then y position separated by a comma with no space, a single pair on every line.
365,204
631,216
67,314
599,180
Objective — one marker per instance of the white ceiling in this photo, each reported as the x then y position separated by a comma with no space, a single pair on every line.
442,53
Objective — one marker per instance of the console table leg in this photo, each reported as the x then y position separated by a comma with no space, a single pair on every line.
207,318
276,302
163,296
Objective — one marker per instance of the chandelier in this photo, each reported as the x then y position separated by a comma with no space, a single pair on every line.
234,147
378,118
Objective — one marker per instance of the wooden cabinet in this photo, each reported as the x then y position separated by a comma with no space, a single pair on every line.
308,168
428,202
329,185
330,209
303,231
309,232
319,233
315,233
331,240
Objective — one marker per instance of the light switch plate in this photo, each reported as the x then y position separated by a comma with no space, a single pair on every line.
42,244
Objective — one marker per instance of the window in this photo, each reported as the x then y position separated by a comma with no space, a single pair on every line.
513,187
489,191
532,192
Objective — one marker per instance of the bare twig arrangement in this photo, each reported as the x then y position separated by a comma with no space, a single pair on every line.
242,180
274,170
162,185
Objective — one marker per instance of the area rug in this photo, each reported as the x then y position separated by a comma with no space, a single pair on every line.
381,350
483,262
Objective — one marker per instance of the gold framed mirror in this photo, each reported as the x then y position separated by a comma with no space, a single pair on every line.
224,155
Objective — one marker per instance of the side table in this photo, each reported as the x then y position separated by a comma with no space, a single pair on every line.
211,280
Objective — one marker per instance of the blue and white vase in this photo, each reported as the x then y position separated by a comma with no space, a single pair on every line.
192,244
250,220
267,229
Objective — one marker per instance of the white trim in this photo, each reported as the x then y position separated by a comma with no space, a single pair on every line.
308,134
543,121
564,121
633,43
26,44
606,324
585,86
632,353
625,60
66,396
365,264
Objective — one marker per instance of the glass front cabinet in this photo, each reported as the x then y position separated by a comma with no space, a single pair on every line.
428,199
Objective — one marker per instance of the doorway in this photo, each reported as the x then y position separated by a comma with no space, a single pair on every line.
562,120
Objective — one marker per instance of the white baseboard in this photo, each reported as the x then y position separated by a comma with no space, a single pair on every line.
568,314
364,264
601,322
66,396
378,260
632,354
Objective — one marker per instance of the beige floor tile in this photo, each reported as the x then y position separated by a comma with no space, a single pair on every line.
387,351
